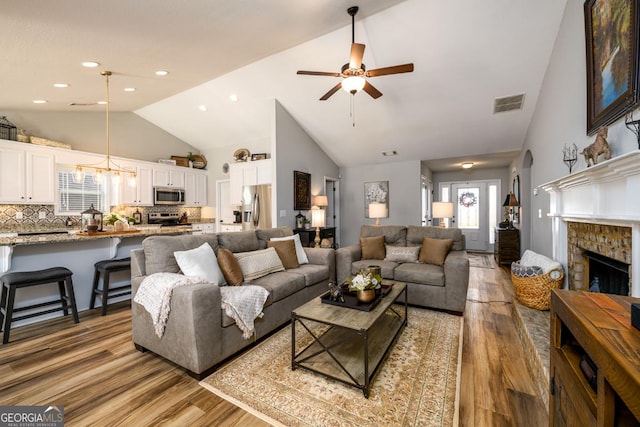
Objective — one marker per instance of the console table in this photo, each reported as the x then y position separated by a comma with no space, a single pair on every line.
307,236
592,332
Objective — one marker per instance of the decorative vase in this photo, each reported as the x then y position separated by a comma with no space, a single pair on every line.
366,295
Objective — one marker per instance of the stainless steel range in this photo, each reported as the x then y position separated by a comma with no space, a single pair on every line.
165,219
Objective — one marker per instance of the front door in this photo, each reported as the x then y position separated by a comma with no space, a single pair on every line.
470,213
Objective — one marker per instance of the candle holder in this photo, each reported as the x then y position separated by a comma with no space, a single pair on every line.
570,155
633,125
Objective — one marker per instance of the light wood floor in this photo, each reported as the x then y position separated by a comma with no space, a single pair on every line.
94,371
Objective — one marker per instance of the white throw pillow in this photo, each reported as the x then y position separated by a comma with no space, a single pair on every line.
402,253
302,256
200,262
256,264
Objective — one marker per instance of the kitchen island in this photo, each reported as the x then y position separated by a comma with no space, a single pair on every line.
36,250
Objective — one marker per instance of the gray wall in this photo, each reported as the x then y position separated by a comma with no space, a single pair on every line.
474,175
404,196
560,118
296,150
130,135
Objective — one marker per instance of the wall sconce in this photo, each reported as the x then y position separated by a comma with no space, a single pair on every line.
442,210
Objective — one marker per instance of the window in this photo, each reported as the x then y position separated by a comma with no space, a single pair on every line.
75,197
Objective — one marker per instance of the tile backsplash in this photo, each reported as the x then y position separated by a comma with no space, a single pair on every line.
31,215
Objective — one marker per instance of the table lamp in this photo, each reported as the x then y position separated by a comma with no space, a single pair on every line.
377,211
317,221
442,210
509,203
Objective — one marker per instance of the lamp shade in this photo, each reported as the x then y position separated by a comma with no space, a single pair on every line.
442,210
511,200
317,217
377,210
320,201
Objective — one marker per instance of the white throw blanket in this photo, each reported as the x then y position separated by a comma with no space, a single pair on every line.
242,303
155,293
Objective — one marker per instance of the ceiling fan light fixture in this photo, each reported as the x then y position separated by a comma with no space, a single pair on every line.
353,84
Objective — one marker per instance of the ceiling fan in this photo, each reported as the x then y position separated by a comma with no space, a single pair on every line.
354,73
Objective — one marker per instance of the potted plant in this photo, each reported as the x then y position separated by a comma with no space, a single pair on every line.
191,159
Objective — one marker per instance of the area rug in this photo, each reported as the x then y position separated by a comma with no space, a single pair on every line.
418,384
480,260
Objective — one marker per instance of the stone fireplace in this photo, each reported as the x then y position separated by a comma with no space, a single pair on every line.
599,257
596,225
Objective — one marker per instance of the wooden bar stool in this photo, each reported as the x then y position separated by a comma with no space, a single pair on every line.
22,279
105,268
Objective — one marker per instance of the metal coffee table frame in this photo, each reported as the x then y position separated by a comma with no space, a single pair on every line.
334,353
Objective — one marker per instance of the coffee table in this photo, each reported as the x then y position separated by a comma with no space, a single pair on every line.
351,344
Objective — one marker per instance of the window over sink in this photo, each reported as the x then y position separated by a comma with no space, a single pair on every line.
74,197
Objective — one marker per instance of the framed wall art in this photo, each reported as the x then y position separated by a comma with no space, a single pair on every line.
375,192
301,191
611,28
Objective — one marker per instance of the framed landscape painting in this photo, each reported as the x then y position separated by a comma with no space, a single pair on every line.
611,28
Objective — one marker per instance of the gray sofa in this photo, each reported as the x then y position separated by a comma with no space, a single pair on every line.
198,335
442,287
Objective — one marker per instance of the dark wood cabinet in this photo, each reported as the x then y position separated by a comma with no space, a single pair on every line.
507,245
594,367
308,236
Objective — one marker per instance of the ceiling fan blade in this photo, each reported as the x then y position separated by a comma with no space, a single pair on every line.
375,93
318,73
357,51
396,69
331,92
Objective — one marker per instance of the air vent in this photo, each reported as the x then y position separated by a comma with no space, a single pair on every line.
83,104
508,103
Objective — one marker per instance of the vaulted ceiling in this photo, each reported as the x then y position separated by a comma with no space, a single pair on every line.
466,54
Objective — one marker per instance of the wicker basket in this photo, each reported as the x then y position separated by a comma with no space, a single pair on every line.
535,291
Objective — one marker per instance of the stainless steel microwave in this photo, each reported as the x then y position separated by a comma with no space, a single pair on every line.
168,196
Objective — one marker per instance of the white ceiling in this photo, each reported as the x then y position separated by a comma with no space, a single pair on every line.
465,55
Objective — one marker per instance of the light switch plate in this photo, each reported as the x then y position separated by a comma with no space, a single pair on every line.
42,215
283,213
18,215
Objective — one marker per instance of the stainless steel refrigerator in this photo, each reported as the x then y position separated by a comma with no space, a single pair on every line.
256,208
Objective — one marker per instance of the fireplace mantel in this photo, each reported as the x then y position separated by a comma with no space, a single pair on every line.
606,193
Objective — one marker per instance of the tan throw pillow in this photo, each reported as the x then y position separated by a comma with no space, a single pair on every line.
230,267
286,250
372,247
256,264
434,251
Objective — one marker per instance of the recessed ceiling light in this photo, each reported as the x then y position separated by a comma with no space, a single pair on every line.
161,73
233,97
202,108
90,64
390,153
101,102
61,85
129,89
39,101
467,165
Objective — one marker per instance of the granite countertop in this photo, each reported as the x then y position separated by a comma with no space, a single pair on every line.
70,235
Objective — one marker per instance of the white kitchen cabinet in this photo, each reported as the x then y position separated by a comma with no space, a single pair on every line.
203,228
142,193
26,177
230,227
168,177
247,173
195,188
